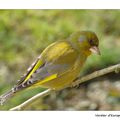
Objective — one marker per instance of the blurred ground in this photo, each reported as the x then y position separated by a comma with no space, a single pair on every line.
25,33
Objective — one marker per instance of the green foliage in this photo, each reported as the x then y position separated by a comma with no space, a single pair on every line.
25,33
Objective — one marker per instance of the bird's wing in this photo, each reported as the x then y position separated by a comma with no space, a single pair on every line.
35,65
54,61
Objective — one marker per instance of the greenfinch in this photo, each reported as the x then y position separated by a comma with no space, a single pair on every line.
59,64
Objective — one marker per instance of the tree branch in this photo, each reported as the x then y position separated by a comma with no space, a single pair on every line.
79,80
29,101
114,68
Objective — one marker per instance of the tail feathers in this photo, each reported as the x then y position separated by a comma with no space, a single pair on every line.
6,96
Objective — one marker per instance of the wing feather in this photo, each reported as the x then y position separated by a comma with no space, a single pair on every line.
35,65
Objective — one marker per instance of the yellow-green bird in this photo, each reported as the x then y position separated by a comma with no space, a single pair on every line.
59,64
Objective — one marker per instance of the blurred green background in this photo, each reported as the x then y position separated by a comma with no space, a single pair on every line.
25,33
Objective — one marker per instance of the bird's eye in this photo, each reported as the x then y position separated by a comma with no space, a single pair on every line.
91,42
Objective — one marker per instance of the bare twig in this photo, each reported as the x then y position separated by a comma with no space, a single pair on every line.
104,71
98,73
29,101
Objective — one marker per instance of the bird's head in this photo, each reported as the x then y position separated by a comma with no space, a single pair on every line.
85,41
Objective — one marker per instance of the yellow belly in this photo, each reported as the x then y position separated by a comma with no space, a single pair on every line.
65,79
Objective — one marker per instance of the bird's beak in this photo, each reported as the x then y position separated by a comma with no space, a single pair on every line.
95,50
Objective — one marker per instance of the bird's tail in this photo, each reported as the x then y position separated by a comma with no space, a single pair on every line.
6,96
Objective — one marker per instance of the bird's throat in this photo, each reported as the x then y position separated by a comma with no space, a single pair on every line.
87,53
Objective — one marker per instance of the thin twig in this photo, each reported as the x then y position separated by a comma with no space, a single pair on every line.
98,73
95,74
29,101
